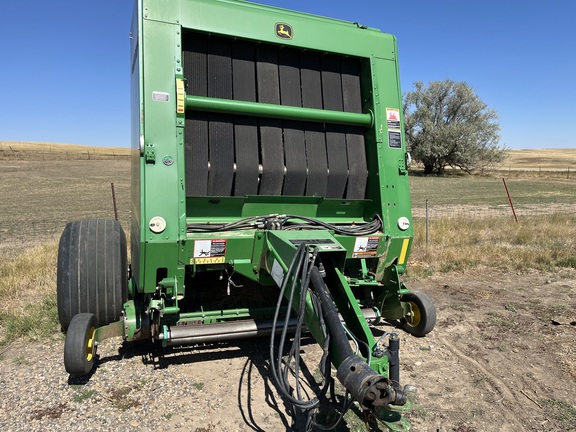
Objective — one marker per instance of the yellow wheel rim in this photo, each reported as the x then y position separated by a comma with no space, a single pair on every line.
90,344
416,317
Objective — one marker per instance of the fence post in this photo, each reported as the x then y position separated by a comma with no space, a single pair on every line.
114,202
426,226
13,152
509,200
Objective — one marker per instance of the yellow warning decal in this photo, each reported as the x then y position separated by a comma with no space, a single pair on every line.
210,251
210,260
366,247
180,96
404,251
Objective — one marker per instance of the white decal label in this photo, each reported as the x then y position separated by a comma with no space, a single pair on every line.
277,273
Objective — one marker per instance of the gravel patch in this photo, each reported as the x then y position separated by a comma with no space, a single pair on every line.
139,387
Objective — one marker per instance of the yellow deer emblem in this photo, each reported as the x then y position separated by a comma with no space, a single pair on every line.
283,31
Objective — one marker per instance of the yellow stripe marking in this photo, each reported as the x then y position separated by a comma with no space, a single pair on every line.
404,251
208,260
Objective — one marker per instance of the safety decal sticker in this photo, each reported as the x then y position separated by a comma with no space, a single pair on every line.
160,96
277,273
209,251
393,118
365,247
394,139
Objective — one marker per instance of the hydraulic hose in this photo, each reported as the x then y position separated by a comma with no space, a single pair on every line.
331,317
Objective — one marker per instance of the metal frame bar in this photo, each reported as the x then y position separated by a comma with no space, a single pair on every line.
284,112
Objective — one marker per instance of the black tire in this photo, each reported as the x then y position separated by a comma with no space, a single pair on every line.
423,317
79,348
92,271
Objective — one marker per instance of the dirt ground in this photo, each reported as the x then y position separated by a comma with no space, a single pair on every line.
501,358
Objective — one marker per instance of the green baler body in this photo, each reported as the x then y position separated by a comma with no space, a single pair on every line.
269,195
200,70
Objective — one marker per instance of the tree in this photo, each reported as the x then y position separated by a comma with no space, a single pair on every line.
446,124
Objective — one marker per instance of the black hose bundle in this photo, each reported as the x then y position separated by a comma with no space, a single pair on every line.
289,222
298,277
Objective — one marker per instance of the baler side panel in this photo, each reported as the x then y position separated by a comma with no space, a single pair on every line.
162,165
394,187
136,120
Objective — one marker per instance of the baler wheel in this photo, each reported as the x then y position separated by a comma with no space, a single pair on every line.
423,317
92,271
80,347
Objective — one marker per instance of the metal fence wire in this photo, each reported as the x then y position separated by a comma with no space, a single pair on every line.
478,197
482,211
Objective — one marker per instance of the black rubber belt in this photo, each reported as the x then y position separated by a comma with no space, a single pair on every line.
270,129
335,134
315,140
245,128
196,126
221,127
294,146
355,147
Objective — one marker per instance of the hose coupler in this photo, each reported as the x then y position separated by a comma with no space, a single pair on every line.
366,386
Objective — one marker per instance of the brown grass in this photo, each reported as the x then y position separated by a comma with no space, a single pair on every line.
542,163
545,243
28,292
18,151
39,197
540,158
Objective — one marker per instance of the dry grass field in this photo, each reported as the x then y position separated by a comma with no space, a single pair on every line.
541,158
39,197
505,294
16,150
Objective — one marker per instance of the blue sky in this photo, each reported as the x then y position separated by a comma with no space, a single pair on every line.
64,66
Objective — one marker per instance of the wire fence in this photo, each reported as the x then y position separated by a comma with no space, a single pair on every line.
16,151
443,211
567,172
24,233
478,197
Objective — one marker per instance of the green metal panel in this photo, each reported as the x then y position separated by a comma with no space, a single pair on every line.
159,172
137,126
227,209
161,168
257,22
394,189
161,179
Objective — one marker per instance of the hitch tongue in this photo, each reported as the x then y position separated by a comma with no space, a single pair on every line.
366,386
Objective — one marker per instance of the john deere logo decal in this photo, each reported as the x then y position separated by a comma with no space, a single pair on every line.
284,31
